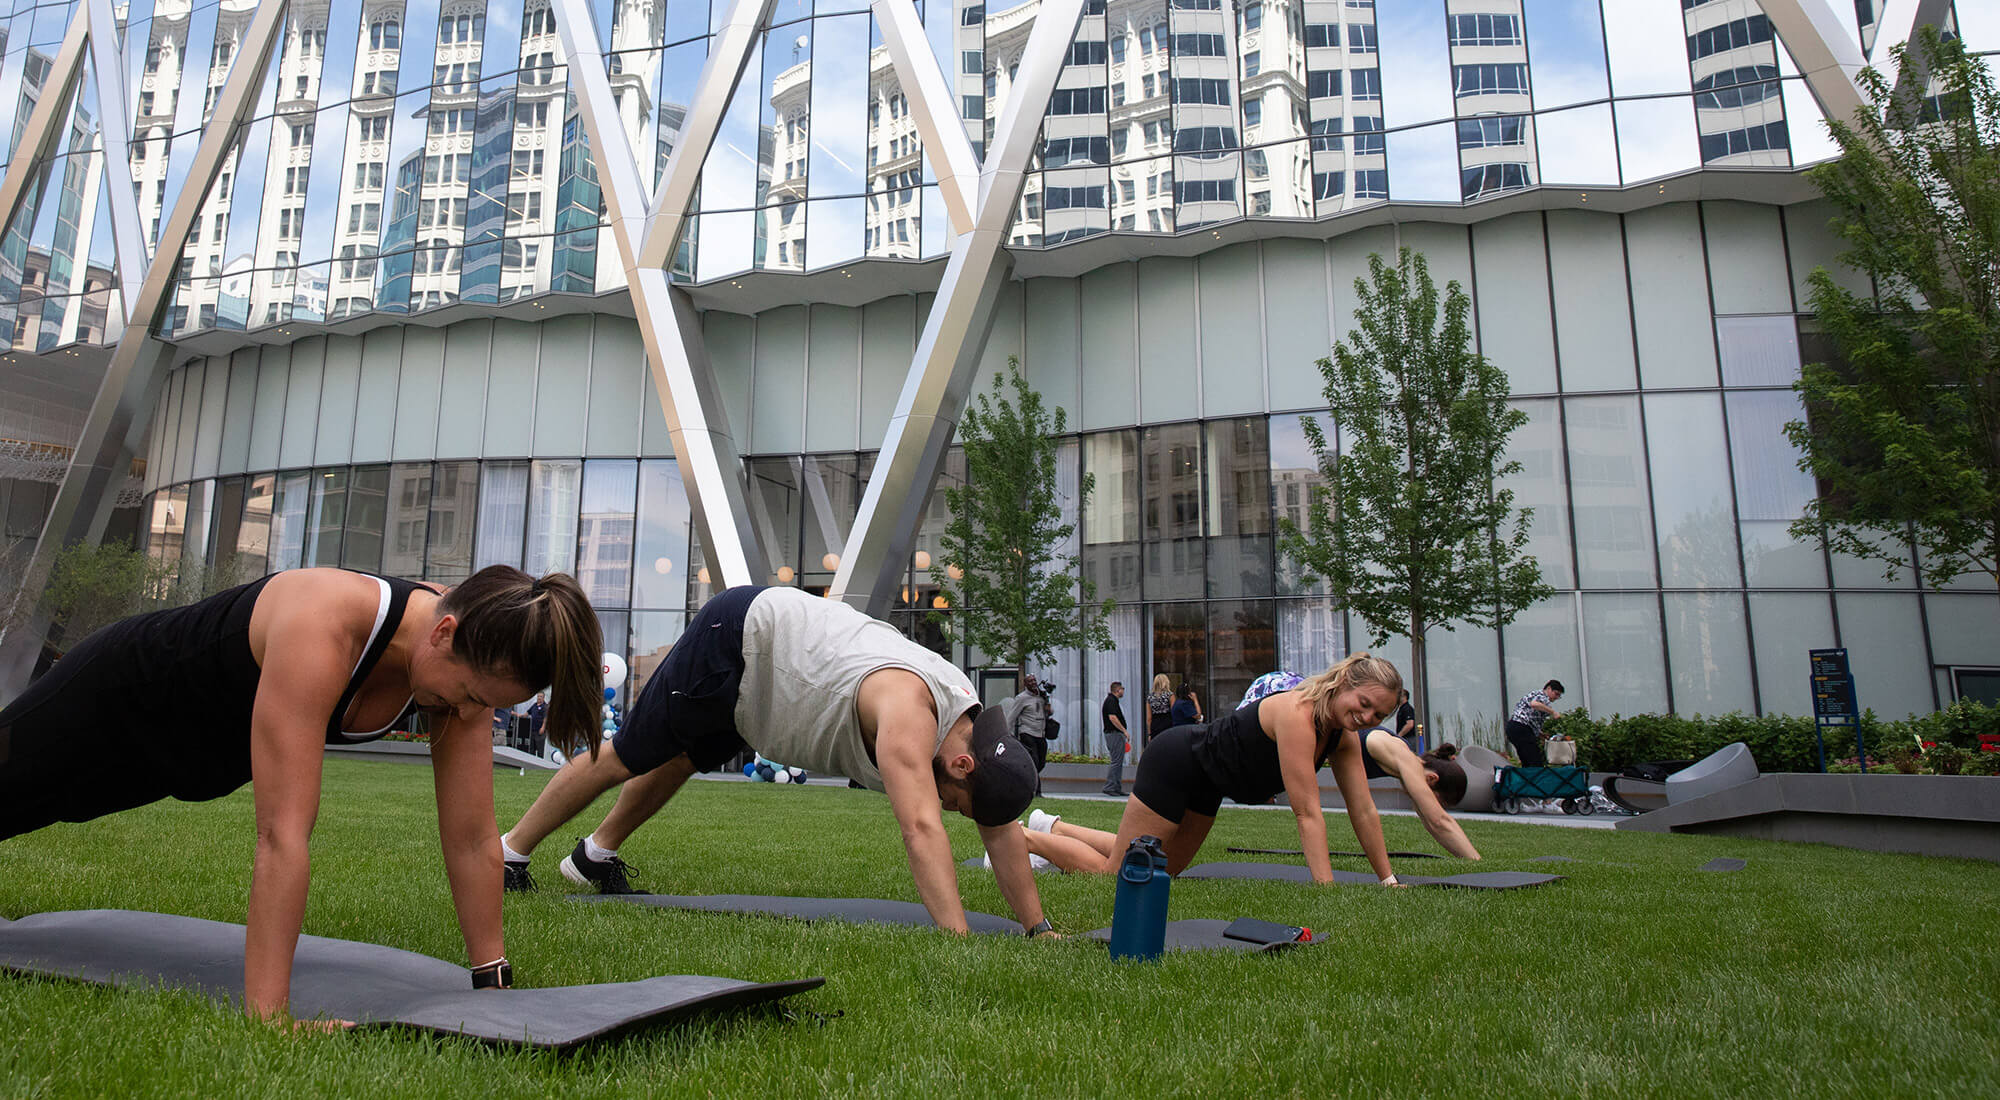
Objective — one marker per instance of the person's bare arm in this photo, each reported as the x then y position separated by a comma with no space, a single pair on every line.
1437,820
1117,722
1007,848
1352,779
303,674
1297,746
1407,728
905,743
1543,707
462,775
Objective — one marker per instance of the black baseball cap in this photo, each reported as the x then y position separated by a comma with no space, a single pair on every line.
1002,782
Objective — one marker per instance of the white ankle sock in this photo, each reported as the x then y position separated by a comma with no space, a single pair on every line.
508,854
595,853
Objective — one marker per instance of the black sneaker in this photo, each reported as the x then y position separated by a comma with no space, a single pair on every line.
514,877
607,875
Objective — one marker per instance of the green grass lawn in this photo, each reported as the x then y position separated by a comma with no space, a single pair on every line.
1815,971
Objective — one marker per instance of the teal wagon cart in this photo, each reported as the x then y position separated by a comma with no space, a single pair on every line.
1518,785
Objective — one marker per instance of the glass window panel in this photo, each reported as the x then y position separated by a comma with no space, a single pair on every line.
1565,52
1643,43
1786,626
1238,511
653,635
1465,687
1771,491
503,514
1295,476
1656,137
661,575
1170,512
777,503
1886,651
1758,351
1180,646
367,500
831,488
288,521
454,498
1693,510
1710,653
1423,164
253,538
834,231
1537,446
1111,518
1621,635
1122,662
1607,467
1243,645
326,517
405,528
552,502
1541,646
1312,635
605,532
1577,146
1415,62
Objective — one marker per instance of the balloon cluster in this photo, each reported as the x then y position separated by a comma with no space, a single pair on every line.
770,771
614,680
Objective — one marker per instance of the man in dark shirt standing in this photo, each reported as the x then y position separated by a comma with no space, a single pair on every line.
538,714
1115,740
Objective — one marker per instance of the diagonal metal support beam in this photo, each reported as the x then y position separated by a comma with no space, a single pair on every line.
697,420
117,418
729,55
115,124
1824,51
954,338
935,109
30,164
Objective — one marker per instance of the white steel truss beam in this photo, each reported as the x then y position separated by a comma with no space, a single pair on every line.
1824,51
697,420
117,418
954,338
107,67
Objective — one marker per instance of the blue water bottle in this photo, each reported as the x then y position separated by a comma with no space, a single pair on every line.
1139,911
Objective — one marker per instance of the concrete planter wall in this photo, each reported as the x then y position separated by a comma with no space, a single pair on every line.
1937,815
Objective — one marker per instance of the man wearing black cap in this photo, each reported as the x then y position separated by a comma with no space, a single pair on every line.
817,685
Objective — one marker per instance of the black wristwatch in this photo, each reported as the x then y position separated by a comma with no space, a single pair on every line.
498,974
1038,929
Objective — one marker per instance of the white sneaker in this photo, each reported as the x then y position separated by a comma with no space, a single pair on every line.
1039,822
1037,863
986,862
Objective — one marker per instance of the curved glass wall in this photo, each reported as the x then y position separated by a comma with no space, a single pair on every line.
406,156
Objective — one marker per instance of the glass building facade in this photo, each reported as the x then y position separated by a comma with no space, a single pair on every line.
405,341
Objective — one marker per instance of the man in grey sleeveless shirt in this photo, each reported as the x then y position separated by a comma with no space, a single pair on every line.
815,684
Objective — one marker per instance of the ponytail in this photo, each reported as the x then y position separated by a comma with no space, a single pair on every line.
1358,670
538,632
1450,786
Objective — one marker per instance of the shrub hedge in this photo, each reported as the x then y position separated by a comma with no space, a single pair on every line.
1781,743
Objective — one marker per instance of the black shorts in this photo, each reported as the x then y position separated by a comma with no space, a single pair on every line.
1171,781
689,703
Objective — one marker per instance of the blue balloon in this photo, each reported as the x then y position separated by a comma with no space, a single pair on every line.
610,694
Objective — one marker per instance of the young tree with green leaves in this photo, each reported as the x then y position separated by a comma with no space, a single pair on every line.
1014,594
1903,434
1411,529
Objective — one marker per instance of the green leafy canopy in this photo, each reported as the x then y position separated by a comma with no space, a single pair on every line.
1903,434
1014,593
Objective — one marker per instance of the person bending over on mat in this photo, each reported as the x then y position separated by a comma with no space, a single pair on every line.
821,686
283,667
1271,744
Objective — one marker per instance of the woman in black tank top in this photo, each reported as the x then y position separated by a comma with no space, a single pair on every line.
282,667
1275,745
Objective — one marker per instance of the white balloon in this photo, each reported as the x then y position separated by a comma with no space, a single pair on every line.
781,777
614,671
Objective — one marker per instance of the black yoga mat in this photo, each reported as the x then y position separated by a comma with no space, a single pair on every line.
1286,872
1723,863
1336,855
372,985
1203,935
847,910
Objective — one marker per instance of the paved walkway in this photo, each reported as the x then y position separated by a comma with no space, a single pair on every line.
1566,821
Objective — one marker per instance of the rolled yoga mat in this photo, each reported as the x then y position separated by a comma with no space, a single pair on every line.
846,910
375,986
1286,872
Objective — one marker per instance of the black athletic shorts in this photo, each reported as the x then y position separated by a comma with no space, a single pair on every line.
689,703
1171,781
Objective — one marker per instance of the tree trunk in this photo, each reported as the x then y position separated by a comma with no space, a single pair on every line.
1419,680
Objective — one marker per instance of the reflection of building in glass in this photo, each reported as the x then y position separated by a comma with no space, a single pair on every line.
1733,57
1344,93
1489,73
